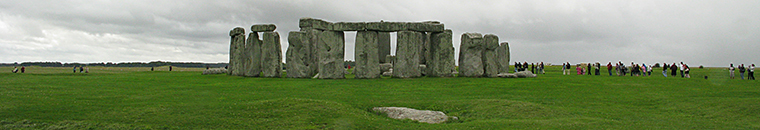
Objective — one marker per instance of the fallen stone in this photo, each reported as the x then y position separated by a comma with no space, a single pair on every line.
330,50
237,48
367,60
525,74
263,28
271,55
385,67
297,55
441,62
503,54
214,71
490,58
407,54
506,75
253,55
388,73
427,116
470,55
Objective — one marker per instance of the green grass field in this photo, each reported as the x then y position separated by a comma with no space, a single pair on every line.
136,98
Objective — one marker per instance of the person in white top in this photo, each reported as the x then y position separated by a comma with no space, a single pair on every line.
751,74
731,71
681,67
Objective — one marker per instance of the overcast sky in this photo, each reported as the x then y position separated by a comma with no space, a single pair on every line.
709,32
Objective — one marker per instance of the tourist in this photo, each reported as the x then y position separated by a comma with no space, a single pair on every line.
87,70
75,69
751,74
525,66
673,69
617,68
645,69
588,68
532,68
686,70
23,69
567,68
151,68
579,69
563,69
170,68
518,67
609,68
81,69
541,68
731,71
664,69
681,67
741,71
15,70
596,68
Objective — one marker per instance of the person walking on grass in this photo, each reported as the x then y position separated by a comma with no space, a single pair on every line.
23,69
170,68
532,68
609,68
15,70
731,71
596,68
588,68
673,69
81,69
751,74
541,68
567,68
741,71
681,67
579,69
665,69
686,71
75,69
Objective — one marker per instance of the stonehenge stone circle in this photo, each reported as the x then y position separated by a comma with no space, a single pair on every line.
367,59
441,62
263,28
383,46
470,55
271,55
237,48
407,54
317,51
490,58
330,50
503,53
297,55
214,71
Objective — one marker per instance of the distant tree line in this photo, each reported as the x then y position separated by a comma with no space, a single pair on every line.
122,64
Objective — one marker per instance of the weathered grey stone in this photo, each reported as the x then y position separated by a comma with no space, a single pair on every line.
367,60
390,59
271,55
490,58
330,50
383,46
441,62
407,54
426,116
314,23
237,48
214,71
297,55
385,67
506,75
423,67
253,55
404,26
313,61
525,74
470,55
424,49
503,55
388,73
263,28
347,26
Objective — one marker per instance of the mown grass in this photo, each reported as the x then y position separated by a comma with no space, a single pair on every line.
135,98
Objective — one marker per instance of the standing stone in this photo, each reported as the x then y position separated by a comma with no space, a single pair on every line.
297,55
424,49
330,50
271,55
253,50
237,48
313,61
490,58
383,46
367,59
407,54
503,54
470,55
441,62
